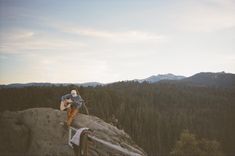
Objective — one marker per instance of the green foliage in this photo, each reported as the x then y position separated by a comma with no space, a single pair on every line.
189,145
153,114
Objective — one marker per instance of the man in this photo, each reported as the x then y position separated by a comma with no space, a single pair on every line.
76,101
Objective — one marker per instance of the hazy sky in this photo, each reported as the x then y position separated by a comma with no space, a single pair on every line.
107,40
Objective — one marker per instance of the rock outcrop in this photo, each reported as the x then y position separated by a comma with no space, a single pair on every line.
38,132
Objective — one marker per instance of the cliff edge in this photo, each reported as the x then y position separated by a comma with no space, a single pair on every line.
38,131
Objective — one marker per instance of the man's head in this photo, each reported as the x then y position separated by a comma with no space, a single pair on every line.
74,93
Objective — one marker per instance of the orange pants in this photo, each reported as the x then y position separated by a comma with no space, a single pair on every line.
71,113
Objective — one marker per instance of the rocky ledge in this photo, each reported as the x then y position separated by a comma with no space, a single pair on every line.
38,132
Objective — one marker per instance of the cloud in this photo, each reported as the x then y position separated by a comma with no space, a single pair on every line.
18,41
3,57
69,38
204,16
116,36
67,68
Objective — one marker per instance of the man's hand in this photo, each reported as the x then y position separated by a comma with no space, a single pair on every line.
66,103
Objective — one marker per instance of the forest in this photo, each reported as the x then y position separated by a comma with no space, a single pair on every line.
155,115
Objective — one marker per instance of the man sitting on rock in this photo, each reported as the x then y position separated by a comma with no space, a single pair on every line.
76,101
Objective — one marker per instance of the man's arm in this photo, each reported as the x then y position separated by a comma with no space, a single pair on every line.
67,96
80,99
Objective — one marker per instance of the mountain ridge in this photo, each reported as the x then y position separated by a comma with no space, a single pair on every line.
219,79
159,77
211,79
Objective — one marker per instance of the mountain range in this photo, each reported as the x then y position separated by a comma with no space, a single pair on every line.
47,84
219,79
159,77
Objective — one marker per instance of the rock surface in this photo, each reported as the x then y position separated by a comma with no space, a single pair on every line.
38,132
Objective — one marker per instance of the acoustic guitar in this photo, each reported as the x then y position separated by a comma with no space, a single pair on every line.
65,104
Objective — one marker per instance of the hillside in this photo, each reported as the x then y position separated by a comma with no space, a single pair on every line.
38,132
159,77
23,85
157,111
221,79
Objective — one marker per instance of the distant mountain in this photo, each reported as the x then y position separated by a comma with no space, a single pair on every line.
22,85
220,79
151,79
159,77
90,84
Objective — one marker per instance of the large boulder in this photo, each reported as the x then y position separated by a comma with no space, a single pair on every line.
38,131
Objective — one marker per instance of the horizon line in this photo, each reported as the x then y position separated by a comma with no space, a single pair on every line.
44,82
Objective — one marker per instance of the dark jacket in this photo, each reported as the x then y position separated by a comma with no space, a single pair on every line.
77,101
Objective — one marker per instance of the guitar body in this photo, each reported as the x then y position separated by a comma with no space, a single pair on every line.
63,105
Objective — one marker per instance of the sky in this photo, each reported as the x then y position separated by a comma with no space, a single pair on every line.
78,41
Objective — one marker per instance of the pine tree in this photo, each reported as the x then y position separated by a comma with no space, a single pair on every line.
189,145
